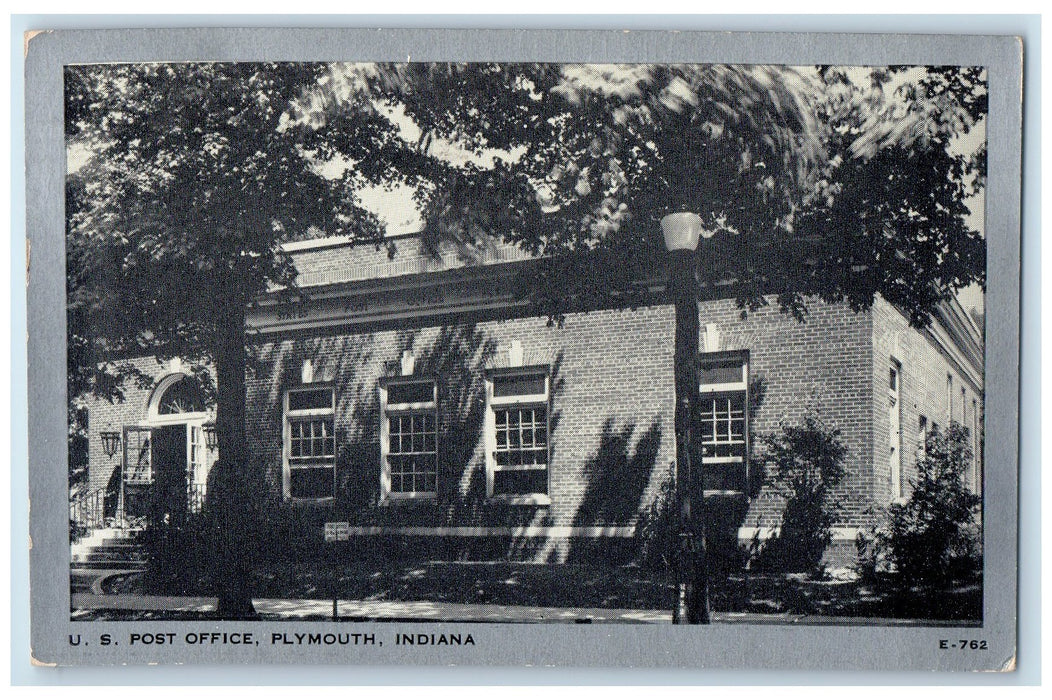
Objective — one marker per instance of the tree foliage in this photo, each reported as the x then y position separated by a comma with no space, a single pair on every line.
889,215
196,175
807,464
933,538
194,180
836,183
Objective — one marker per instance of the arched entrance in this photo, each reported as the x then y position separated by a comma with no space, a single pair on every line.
165,461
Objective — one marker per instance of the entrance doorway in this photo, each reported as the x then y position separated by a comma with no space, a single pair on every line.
165,461
170,483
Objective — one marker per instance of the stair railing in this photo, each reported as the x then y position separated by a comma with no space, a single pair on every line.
87,511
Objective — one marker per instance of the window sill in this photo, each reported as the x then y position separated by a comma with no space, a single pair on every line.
298,501
396,498
535,499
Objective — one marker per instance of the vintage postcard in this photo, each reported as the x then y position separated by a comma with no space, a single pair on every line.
542,348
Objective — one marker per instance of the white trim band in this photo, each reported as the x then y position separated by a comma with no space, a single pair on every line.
840,534
557,531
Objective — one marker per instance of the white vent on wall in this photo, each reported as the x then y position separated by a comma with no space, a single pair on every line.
711,336
408,363
307,372
515,354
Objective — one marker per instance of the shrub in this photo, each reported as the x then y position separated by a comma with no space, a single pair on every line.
806,462
657,532
658,527
933,539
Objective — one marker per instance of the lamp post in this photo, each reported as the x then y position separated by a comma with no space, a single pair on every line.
681,232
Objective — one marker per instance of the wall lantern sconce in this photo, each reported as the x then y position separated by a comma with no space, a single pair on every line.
211,441
111,440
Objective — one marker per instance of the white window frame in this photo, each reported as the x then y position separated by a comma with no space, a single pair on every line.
494,403
949,400
154,417
977,465
923,428
706,391
895,430
287,419
394,409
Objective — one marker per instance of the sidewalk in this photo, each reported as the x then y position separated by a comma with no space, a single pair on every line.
291,609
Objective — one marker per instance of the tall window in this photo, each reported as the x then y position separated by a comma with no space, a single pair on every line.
949,399
723,420
310,440
977,461
409,439
922,436
895,428
517,454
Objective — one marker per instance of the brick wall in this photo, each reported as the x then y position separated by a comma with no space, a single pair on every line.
611,398
822,364
923,393
611,408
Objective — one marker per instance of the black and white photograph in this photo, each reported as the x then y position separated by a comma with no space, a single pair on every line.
402,347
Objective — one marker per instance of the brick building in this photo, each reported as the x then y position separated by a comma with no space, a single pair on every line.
418,397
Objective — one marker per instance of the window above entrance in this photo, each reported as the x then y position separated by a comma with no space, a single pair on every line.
185,396
177,398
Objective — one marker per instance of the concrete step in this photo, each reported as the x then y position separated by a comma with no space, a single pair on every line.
108,548
112,564
129,555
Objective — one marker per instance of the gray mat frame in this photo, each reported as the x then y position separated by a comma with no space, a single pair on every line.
737,646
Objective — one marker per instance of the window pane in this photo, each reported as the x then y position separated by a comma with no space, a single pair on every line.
313,482
724,476
520,482
411,392
721,371
519,385
185,396
412,459
522,438
722,423
303,399
312,438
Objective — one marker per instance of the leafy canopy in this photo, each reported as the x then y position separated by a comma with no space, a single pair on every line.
836,183
195,177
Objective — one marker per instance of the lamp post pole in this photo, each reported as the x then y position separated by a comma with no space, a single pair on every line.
682,231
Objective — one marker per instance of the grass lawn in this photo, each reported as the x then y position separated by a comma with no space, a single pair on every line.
595,586
495,583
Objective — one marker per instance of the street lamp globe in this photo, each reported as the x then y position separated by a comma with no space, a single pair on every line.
682,230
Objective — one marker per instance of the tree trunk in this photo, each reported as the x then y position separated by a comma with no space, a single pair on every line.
692,590
234,497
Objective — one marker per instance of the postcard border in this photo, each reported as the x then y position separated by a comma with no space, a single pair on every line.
48,52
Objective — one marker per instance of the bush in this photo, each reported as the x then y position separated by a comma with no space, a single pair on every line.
658,527
933,539
173,557
806,462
